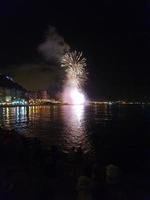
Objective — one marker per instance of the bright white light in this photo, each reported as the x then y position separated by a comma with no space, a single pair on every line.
77,97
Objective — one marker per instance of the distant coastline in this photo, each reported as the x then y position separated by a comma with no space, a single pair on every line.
89,103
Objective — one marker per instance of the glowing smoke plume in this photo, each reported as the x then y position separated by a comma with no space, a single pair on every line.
53,47
56,51
75,67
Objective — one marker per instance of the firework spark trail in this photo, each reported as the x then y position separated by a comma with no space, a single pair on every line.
75,67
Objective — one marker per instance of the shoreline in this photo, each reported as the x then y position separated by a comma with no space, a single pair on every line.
65,104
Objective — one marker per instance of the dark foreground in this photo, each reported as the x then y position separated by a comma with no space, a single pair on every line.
28,171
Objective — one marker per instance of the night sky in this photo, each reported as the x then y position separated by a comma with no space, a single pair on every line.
114,37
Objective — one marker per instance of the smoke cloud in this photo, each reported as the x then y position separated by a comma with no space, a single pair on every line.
54,46
43,75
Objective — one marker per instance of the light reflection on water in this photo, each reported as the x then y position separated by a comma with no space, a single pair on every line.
61,125
78,126
11,117
75,129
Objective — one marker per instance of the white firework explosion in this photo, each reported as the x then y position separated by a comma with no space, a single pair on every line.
75,67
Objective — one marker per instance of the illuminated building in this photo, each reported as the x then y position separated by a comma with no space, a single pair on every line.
11,93
41,97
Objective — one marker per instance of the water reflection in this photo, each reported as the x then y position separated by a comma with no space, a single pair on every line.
13,117
72,126
21,114
65,126
75,130
7,116
43,113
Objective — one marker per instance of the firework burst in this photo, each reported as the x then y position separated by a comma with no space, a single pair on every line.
75,67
